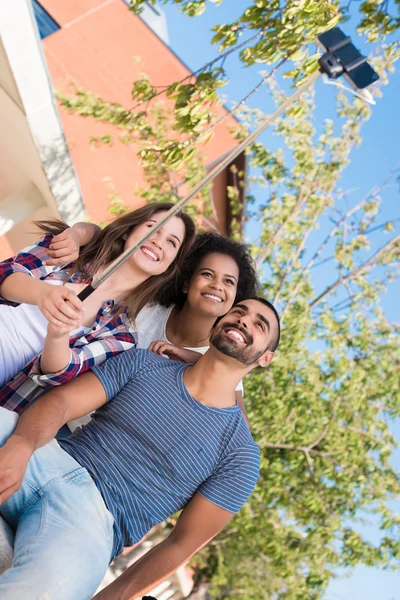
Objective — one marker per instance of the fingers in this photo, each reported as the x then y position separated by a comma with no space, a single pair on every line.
63,249
165,349
61,311
57,319
62,307
64,235
60,244
10,482
7,493
73,299
60,328
57,262
158,346
59,252
61,255
56,332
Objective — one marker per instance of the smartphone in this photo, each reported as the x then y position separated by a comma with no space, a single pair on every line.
357,71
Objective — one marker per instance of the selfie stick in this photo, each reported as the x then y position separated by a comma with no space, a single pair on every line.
209,177
332,63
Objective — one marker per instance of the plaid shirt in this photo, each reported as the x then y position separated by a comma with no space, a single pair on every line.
110,334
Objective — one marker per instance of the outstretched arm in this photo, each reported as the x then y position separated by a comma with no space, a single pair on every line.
65,246
198,523
39,424
23,279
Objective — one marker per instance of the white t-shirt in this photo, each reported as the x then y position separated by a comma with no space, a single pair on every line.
151,323
23,330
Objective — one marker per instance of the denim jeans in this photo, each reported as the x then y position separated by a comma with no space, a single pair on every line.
63,530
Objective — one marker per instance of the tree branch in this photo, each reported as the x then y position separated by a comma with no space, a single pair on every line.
301,199
297,255
222,57
371,262
371,194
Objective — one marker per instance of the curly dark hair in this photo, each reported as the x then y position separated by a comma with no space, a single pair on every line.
205,244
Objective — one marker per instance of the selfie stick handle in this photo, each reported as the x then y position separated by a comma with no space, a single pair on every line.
225,162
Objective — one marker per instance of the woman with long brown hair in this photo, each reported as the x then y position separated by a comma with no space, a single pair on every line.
76,336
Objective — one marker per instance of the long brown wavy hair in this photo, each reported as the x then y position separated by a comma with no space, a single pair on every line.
109,244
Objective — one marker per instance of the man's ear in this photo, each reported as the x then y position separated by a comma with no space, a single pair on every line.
265,359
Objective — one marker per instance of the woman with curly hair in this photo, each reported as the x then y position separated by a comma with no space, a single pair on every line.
217,272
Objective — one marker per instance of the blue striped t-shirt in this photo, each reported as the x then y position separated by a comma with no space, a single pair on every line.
153,446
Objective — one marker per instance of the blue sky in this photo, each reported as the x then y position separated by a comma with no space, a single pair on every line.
370,164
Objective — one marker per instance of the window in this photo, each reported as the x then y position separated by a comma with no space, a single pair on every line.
45,22
153,8
154,18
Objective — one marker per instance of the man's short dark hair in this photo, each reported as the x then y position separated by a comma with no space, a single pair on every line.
276,335
205,244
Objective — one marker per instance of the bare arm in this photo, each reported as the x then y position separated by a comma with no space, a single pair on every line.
56,352
21,287
175,352
198,523
57,303
21,278
39,424
86,231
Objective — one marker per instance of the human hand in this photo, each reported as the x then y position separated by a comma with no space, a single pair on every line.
56,332
14,458
174,352
60,306
64,247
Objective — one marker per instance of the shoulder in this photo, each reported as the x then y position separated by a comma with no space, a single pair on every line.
147,359
157,362
241,450
246,453
153,311
234,477
151,323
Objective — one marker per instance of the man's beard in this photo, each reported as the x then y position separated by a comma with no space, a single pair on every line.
244,354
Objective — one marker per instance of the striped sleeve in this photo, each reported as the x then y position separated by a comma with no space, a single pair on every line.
234,480
116,373
28,261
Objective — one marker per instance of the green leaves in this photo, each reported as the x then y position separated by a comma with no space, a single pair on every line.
142,90
322,412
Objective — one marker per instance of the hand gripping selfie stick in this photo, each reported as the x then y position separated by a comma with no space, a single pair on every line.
341,58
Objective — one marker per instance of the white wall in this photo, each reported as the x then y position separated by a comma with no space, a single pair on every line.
36,170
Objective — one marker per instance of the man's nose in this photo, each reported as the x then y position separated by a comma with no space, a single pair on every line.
242,321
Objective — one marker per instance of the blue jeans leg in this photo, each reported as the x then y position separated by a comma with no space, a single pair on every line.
63,530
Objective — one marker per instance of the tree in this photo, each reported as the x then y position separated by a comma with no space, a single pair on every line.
322,417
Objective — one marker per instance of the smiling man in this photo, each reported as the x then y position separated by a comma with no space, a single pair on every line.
165,436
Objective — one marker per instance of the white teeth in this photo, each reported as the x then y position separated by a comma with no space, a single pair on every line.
215,298
236,335
150,253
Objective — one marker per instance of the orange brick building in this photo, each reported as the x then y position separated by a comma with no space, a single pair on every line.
96,47
102,46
